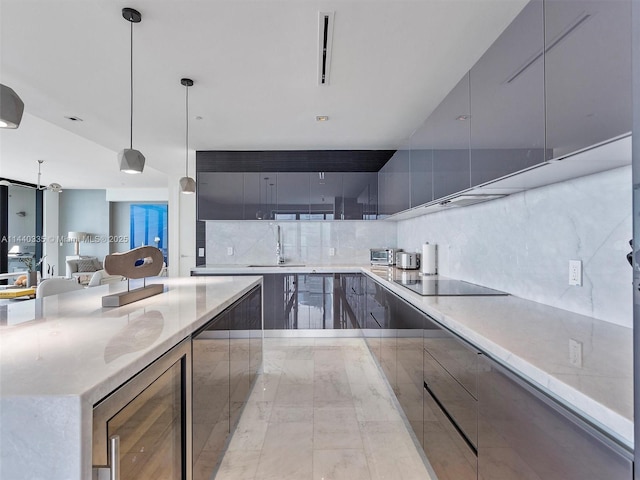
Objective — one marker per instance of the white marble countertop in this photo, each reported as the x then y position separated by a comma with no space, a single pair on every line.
61,354
230,269
530,338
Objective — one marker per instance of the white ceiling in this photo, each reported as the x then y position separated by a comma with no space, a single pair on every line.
254,64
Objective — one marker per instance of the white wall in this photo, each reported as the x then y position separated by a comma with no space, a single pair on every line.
522,244
254,242
84,211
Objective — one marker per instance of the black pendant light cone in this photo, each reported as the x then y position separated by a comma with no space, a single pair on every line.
131,160
187,184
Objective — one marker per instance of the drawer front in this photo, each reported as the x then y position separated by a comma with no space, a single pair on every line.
455,356
526,435
453,399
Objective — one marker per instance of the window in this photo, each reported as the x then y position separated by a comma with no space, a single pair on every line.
149,226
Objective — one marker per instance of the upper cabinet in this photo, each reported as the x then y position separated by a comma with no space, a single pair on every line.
450,124
588,73
220,196
421,164
507,100
287,195
393,182
556,81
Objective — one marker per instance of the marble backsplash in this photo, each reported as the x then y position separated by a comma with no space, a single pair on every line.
254,242
522,244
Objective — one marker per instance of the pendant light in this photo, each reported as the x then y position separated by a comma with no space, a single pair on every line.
187,184
11,108
131,161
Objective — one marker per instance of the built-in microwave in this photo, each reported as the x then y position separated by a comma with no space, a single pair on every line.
383,256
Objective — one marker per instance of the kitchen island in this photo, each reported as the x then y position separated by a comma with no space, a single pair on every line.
61,355
529,338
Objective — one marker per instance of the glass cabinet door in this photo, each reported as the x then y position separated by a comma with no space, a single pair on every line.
150,430
143,429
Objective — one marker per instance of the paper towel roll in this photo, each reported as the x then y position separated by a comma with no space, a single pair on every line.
428,262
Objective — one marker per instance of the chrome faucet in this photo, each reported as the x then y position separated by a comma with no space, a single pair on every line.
279,257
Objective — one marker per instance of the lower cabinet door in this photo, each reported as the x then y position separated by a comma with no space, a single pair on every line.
524,435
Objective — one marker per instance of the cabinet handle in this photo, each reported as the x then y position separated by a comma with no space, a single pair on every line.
375,319
114,457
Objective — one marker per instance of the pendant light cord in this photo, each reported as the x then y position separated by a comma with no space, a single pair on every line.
186,155
131,94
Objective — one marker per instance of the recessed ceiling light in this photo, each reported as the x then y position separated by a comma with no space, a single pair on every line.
322,118
74,119
462,118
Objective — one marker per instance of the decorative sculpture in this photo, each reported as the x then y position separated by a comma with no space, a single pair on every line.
140,262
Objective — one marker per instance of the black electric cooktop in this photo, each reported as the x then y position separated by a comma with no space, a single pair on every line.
438,287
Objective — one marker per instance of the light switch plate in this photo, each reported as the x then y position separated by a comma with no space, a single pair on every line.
201,251
332,251
229,251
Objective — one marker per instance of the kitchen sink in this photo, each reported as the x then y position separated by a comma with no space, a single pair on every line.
279,265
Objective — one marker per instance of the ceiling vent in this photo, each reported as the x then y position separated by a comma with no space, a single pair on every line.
325,35
579,20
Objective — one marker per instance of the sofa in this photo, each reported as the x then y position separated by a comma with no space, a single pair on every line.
83,268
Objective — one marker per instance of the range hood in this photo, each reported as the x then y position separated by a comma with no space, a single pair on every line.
613,153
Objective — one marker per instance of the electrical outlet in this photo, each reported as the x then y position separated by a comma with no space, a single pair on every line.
575,353
332,251
201,251
575,272
229,251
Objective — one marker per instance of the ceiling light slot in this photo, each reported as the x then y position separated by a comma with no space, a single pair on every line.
579,20
325,42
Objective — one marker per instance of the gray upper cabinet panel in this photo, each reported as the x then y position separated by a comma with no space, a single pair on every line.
507,100
260,195
450,123
421,158
358,195
393,183
220,196
588,72
292,196
325,195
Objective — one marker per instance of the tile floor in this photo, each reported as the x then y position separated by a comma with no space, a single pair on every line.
321,410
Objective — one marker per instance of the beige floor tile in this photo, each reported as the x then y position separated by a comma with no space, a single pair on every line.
241,465
340,465
321,409
336,427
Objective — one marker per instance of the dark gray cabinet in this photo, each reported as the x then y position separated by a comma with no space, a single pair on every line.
451,135
525,435
287,195
393,182
220,196
507,100
587,72
292,196
226,356
421,164
326,199
450,403
260,198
